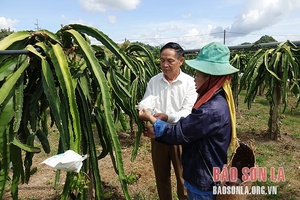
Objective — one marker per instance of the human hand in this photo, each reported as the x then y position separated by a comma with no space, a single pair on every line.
161,116
149,132
144,114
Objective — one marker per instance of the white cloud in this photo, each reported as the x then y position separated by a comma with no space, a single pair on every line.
80,21
192,32
190,36
112,19
258,15
103,5
186,16
6,23
196,37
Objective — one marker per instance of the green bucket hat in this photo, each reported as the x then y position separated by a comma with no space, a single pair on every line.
213,59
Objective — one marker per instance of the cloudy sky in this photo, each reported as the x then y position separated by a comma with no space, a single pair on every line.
191,23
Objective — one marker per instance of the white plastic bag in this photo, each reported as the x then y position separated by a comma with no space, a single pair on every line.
68,161
149,103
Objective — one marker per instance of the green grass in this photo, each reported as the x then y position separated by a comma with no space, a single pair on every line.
252,126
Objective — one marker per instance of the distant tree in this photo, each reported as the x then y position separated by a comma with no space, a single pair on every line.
4,33
246,43
265,39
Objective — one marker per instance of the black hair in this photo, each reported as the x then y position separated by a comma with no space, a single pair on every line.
172,45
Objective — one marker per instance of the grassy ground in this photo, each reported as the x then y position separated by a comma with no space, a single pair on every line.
251,129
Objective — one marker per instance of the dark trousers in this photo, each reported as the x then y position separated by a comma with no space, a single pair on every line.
162,157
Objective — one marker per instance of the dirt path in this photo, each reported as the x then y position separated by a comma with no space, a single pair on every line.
41,185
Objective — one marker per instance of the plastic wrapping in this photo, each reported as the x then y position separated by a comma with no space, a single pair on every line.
68,161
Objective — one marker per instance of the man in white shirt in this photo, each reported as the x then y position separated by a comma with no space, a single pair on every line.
175,95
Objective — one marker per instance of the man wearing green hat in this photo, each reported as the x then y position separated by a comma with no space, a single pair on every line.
209,130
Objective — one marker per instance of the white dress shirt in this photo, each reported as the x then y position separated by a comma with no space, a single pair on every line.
175,99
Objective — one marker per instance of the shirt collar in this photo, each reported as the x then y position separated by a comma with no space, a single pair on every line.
179,77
